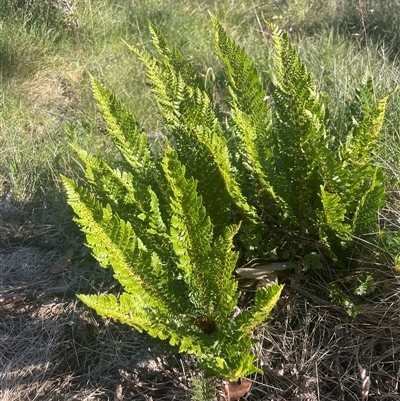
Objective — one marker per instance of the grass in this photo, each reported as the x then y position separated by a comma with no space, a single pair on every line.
62,351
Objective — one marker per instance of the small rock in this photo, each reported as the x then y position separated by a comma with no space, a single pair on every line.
144,360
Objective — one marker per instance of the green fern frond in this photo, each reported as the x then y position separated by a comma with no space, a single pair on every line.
216,146
207,267
129,309
250,114
124,129
334,215
254,160
113,185
156,222
222,287
365,220
362,137
134,310
266,298
301,145
200,144
114,243
173,57
133,145
359,182
244,81
191,229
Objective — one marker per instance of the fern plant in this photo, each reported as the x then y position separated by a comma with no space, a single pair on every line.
172,227
326,184
176,274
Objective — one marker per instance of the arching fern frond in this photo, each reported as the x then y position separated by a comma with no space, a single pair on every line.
132,143
244,82
114,186
189,113
265,300
206,266
365,216
114,243
250,115
303,160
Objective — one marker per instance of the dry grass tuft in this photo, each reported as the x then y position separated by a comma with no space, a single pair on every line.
312,350
43,89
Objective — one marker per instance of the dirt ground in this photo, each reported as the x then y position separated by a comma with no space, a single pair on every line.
54,348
